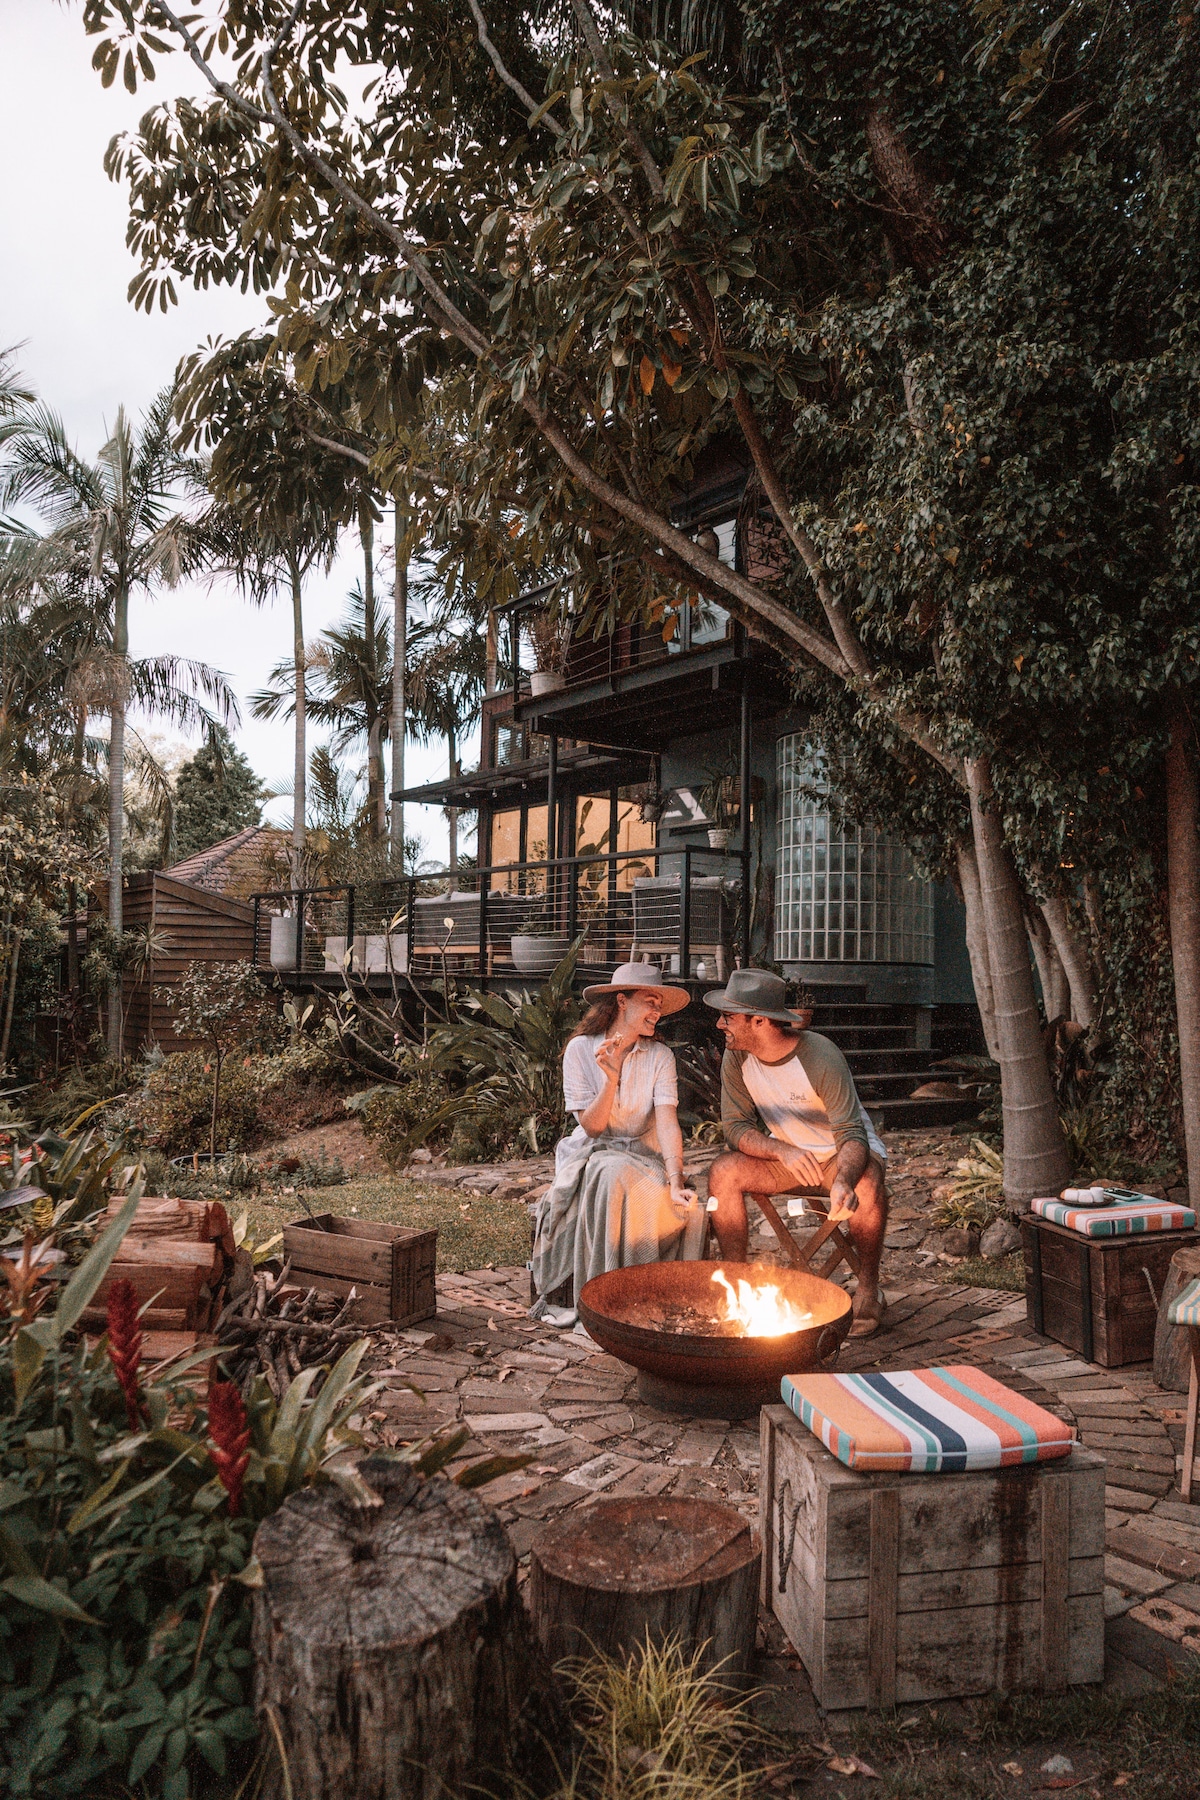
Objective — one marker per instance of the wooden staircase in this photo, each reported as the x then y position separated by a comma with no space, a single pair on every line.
894,1048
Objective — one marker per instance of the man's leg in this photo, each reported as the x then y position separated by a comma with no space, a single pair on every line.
730,1179
867,1227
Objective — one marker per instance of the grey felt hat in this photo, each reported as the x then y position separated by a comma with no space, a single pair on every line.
758,993
631,976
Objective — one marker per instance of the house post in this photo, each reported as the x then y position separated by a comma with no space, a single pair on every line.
552,825
744,809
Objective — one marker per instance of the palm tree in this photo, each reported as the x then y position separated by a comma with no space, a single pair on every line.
445,683
132,519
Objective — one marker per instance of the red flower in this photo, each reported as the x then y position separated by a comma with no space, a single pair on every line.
229,1435
125,1344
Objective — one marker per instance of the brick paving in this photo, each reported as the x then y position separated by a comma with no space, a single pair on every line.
521,1387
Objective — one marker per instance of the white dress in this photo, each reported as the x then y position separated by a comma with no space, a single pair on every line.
610,1205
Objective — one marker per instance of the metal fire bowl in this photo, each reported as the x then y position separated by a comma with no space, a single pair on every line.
628,1312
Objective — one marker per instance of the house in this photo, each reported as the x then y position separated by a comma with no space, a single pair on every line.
649,789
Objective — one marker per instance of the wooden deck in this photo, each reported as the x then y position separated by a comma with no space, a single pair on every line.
484,1362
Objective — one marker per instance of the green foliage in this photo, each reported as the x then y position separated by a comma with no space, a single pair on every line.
172,1111
398,1118
976,1195
509,1051
216,794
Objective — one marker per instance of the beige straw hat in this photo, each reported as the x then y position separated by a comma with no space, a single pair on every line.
632,976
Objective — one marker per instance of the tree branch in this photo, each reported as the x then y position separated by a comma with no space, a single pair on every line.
510,81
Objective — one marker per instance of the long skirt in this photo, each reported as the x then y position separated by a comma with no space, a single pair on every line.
610,1207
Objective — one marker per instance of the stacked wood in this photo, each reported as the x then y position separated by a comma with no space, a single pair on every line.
627,1570
179,1255
393,1654
276,1329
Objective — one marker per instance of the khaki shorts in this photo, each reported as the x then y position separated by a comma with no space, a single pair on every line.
817,1178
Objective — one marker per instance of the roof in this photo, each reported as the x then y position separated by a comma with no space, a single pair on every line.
237,866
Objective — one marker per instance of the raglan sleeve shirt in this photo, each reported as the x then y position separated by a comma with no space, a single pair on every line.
829,1076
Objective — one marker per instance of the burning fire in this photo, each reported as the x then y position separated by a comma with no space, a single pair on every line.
761,1311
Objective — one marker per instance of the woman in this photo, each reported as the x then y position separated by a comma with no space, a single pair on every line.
618,1195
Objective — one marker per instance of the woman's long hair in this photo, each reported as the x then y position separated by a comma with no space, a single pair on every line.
601,1015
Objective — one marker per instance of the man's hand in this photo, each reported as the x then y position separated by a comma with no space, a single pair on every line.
843,1201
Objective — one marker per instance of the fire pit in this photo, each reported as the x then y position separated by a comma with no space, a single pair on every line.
715,1339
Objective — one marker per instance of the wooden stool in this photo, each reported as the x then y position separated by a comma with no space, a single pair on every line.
829,1232
1184,1311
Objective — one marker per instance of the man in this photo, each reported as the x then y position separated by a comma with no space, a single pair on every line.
793,1122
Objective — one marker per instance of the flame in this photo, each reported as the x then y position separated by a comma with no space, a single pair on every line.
761,1311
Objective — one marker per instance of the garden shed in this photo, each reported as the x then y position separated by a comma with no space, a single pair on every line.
184,923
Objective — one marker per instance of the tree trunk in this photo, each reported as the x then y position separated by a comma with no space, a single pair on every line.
977,947
393,1656
1073,958
1183,886
626,1570
376,800
1035,1155
452,811
399,703
1056,991
116,812
300,741
14,952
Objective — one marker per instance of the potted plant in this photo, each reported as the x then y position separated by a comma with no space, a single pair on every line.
548,635
539,946
718,805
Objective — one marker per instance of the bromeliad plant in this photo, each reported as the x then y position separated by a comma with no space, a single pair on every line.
127,1514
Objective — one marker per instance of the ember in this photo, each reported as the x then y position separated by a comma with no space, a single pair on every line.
761,1311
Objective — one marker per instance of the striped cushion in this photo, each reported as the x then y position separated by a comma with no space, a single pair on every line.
925,1420
1116,1221
1185,1307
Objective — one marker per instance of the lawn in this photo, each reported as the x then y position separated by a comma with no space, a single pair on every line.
474,1232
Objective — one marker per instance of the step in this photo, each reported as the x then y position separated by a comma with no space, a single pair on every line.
911,1115
870,1037
897,1084
881,1013
898,1060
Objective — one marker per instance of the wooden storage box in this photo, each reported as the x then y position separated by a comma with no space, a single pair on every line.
897,1589
392,1267
1091,1294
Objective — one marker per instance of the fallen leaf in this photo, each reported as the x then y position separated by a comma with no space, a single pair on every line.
1014,1769
852,1765
1123,1779
504,1375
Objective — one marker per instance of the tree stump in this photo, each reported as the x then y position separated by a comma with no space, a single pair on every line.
604,1579
1172,1357
393,1654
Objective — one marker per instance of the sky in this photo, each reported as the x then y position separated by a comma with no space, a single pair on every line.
64,271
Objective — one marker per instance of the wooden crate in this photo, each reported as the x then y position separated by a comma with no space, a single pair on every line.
392,1267
897,1589
1091,1294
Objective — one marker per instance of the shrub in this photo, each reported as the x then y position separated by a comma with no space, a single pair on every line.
172,1111
395,1117
223,1004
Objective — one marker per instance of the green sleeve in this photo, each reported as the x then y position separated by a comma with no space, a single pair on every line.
830,1076
738,1113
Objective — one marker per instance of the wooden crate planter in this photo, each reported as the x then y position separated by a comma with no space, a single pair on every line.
898,1589
391,1267
1091,1294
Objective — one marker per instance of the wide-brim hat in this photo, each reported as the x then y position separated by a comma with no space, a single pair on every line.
641,976
760,994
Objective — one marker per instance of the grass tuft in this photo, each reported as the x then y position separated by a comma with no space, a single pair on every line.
473,1229
1005,1273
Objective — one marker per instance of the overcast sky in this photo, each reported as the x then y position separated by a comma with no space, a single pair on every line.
62,299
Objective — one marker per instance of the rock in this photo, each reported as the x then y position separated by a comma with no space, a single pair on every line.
483,1184
1000,1239
943,1192
1058,1765
421,1155
957,1241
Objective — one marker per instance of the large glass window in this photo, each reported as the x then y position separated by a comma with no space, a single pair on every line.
844,893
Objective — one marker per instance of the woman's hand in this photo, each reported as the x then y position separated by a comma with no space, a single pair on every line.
683,1197
612,1053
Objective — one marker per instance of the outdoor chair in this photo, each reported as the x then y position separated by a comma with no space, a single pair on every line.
431,934
658,923
1184,1312
829,1232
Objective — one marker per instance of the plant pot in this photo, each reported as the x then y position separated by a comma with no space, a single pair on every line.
546,681
283,942
539,955
718,838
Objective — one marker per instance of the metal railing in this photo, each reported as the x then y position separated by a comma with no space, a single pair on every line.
683,908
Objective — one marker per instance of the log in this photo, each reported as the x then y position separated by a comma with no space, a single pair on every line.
204,1221
1172,1357
604,1579
393,1655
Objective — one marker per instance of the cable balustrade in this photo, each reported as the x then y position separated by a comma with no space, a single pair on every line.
680,907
